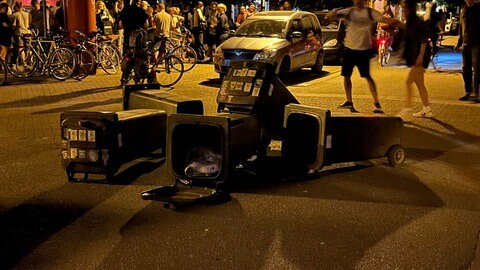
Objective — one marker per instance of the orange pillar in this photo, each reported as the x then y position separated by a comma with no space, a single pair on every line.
79,14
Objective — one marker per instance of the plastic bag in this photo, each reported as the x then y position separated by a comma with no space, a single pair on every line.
203,161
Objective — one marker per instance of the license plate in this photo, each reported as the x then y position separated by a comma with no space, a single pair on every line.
226,62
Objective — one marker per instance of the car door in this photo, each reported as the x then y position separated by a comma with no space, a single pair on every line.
312,40
297,48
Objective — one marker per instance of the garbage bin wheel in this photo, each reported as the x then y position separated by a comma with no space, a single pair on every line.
396,155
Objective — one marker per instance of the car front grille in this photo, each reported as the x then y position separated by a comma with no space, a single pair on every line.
239,54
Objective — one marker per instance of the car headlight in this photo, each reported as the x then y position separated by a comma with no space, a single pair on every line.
331,43
265,54
218,55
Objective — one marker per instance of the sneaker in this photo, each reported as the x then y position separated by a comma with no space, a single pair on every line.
427,113
378,108
464,98
476,100
346,105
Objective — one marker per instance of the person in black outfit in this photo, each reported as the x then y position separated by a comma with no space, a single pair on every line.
469,43
417,56
6,31
132,18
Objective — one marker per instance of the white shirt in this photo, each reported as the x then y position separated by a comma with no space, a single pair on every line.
359,28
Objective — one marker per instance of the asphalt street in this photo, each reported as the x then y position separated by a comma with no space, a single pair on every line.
362,215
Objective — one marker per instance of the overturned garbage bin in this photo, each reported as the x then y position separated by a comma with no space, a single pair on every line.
150,96
315,137
98,143
202,151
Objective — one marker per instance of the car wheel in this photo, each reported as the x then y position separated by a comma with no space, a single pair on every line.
284,69
317,68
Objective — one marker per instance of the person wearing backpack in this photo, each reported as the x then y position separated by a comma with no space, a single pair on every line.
358,45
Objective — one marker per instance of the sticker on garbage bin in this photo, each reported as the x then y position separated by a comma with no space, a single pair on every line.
251,73
244,72
82,135
256,91
73,152
239,86
258,83
73,135
65,154
247,88
82,154
91,135
329,142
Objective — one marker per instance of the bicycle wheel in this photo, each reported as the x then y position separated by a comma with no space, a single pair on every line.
169,71
85,64
25,64
188,56
62,63
109,60
3,72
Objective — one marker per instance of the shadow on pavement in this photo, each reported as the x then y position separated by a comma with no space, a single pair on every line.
34,101
26,226
81,106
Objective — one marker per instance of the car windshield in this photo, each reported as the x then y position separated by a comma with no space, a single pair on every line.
262,28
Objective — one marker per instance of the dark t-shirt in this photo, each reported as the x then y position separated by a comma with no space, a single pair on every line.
5,32
470,26
416,34
133,17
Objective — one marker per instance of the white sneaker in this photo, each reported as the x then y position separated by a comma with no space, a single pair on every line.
427,113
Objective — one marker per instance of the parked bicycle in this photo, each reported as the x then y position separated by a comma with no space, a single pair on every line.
106,54
46,56
151,62
183,49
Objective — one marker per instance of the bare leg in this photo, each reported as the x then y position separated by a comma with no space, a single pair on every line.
373,88
409,83
420,82
347,86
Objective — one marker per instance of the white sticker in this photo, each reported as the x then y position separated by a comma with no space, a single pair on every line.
73,135
73,152
258,83
329,142
232,85
256,91
237,72
239,86
244,72
251,73
91,135
82,154
248,87
65,155
82,135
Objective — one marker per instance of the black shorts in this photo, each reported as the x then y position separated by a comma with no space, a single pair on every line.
359,58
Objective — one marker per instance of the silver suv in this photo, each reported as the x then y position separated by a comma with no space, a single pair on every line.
292,39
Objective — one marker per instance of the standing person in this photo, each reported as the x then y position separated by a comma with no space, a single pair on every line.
104,20
286,6
417,57
211,33
163,21
242,16
198,27
222,26
60,15
132,18
115,12
469,43
9,9
5,31
251,9
20,23
358,44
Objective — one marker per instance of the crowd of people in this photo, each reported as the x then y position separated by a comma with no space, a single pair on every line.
17,22
415,34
